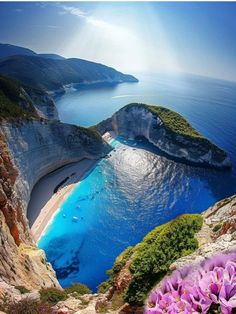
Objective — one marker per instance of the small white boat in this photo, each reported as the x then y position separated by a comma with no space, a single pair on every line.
64,215
75,218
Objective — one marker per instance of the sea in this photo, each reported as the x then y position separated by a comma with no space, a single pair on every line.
137,188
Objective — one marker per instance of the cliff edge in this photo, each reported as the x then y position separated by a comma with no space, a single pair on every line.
168,131
31,147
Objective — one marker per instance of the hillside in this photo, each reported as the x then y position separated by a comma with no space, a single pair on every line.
54,74
7,50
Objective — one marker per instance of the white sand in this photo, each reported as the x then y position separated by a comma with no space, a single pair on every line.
44,202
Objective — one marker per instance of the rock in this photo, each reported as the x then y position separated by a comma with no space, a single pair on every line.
137,120
70,305
222,214
31,149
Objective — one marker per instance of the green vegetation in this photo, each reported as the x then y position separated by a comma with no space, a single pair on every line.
22,289
118,265
159,249
217,227
52,295
78,288
171,119
176,124
9,99
149,260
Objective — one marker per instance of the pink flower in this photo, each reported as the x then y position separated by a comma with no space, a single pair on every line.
195,290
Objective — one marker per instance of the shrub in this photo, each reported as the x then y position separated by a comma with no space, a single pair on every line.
22,289
209,288
159,249
78,288
52,295
27,306
104,286
217,227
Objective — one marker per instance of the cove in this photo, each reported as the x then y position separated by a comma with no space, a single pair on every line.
118,202
137,188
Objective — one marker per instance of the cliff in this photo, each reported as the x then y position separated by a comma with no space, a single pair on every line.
141,267
168,131
31,147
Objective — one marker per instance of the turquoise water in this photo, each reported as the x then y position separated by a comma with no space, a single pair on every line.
136,189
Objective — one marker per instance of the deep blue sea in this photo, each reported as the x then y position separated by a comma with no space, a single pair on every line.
125,196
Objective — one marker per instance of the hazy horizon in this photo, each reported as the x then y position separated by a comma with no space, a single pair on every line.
133,37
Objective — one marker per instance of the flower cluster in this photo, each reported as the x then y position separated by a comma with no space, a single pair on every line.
207,288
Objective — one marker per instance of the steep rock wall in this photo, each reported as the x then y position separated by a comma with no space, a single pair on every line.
21,263
133,121
29,150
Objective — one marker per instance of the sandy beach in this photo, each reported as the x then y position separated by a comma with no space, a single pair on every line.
52,190
45,202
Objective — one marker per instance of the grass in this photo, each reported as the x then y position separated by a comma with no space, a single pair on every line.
150,260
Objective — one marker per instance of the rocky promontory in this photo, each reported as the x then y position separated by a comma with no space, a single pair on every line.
168,131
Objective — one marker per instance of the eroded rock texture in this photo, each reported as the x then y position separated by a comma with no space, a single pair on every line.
134,120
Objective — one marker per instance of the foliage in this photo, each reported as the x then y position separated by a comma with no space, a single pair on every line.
22,289
9,99
52,295
27,306
176,124
118,265
121,261
209,288
78,288
217,227
105,285
171,119
161,247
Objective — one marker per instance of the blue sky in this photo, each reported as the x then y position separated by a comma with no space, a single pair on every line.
133,37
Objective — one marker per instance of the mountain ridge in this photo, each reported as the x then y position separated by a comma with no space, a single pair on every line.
55,73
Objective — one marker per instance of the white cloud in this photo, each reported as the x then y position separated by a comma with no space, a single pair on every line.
97,22
72,10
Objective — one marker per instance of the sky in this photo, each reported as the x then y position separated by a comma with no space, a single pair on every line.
189,37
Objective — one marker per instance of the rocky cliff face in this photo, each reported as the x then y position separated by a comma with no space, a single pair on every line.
21,263
31,147
44,104
135,120
218,234
38,148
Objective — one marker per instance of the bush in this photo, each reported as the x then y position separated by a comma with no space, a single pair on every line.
27,306
217,227
52,295
22,289
104,286
159,249
78,288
